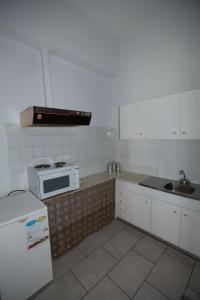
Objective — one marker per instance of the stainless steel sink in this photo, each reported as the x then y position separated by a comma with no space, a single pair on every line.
179,188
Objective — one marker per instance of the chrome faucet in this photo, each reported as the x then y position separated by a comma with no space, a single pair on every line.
183,178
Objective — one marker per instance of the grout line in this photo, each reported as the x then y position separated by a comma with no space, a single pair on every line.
106,274
144,279
164,253
187,286
194,291
119,287
117,262
101,245
85,256
79,281
164,242
99,280
156,264
180,262
82,251
187,283
156,289
112,236
137,242
117,258
70,269
131,250
153,263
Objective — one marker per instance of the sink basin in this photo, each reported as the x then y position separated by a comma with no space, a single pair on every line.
180,188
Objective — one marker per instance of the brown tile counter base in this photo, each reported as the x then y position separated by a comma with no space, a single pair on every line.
74,216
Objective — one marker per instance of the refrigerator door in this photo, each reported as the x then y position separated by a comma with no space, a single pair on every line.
25,256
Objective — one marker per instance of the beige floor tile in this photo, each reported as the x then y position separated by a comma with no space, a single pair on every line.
94,267
130,272
120,244
106,290
170,277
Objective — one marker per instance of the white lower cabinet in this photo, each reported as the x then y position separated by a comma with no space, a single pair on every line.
162,214
122,209
165,221
190,231
140,211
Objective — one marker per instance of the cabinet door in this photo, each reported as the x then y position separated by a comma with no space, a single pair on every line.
140,211
117,205
132,120
123,206
190,233
190,111
165,221
163,117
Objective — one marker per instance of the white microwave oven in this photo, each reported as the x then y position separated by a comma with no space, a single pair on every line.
48,180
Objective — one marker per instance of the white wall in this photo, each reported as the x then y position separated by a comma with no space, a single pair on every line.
161,54
65,29
21,85
76,88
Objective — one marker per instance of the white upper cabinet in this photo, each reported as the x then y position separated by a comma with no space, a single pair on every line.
163,117
170,117
190,115
133,120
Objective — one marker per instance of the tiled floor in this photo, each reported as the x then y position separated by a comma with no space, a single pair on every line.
121,263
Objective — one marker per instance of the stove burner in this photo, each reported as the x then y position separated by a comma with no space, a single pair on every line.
60,164
42,166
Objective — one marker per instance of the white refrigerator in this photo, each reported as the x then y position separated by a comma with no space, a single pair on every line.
25,255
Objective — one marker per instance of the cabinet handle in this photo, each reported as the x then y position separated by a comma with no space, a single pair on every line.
140,133
183,132
174,132
185,215
175,211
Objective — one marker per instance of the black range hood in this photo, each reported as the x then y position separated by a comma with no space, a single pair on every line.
46,116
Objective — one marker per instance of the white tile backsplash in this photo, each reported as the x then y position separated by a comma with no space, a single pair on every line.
163,158
91,148
26,152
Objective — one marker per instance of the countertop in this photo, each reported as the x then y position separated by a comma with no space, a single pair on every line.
98,178
158,183
142,179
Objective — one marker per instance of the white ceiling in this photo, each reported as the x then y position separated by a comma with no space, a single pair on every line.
123,17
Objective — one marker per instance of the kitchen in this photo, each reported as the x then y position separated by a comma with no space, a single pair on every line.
94,57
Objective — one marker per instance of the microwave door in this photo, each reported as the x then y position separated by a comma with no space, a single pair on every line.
55,184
